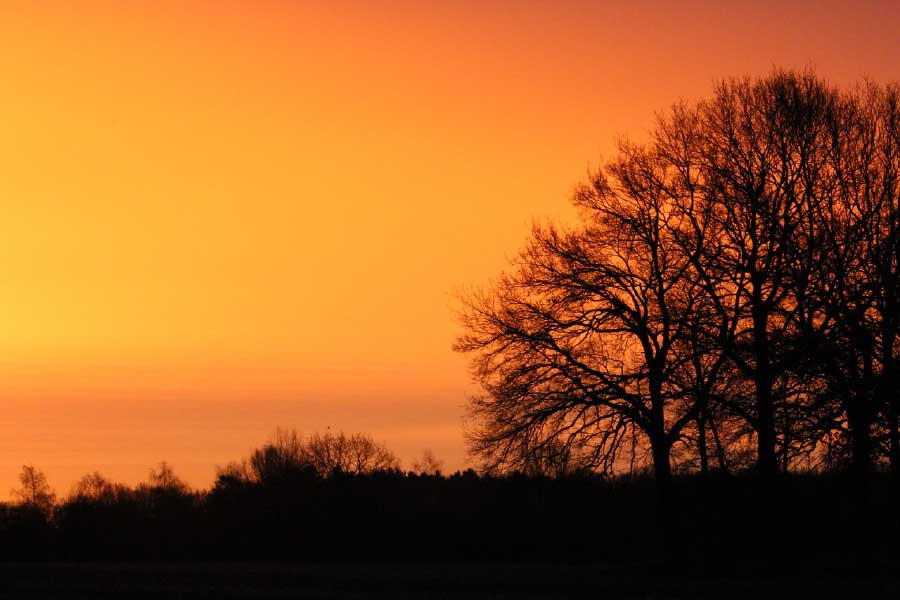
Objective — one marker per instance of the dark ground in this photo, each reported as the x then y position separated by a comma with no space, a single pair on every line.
245,580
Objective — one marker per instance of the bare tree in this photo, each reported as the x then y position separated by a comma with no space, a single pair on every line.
577,348
857,282
34,490
765,150
92,486
282,457
288,455
163,477
428,464
694,303
355,453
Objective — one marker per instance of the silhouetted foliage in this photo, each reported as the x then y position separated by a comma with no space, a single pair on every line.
428,464
393,516
356,453
164,479
730,294
34,491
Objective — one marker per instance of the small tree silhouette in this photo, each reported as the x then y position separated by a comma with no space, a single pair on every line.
163,477
429,464
355,453
92,486
34,490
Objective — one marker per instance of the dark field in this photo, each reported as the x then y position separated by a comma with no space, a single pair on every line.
226,580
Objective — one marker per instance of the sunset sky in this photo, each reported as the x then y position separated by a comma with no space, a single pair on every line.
222,217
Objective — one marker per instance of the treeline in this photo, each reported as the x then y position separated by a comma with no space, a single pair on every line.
282,504
730,300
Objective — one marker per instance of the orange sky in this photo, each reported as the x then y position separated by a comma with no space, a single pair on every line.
221,217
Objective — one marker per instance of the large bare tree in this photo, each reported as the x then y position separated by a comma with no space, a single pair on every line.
733,282
577,347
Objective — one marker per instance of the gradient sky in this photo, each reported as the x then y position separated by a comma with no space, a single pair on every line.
221,217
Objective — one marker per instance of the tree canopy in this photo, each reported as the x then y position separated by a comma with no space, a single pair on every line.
731,289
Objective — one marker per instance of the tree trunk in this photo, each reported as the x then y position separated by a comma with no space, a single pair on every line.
662,472
662,468
767,459
860,433
701,444
659,442
894,437
720,451
859,421
890,402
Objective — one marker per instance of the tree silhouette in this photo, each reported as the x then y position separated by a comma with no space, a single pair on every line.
858,287
355,453
733,284
576,348
34,491
282,458
92,486
163,477
428,464
287,455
